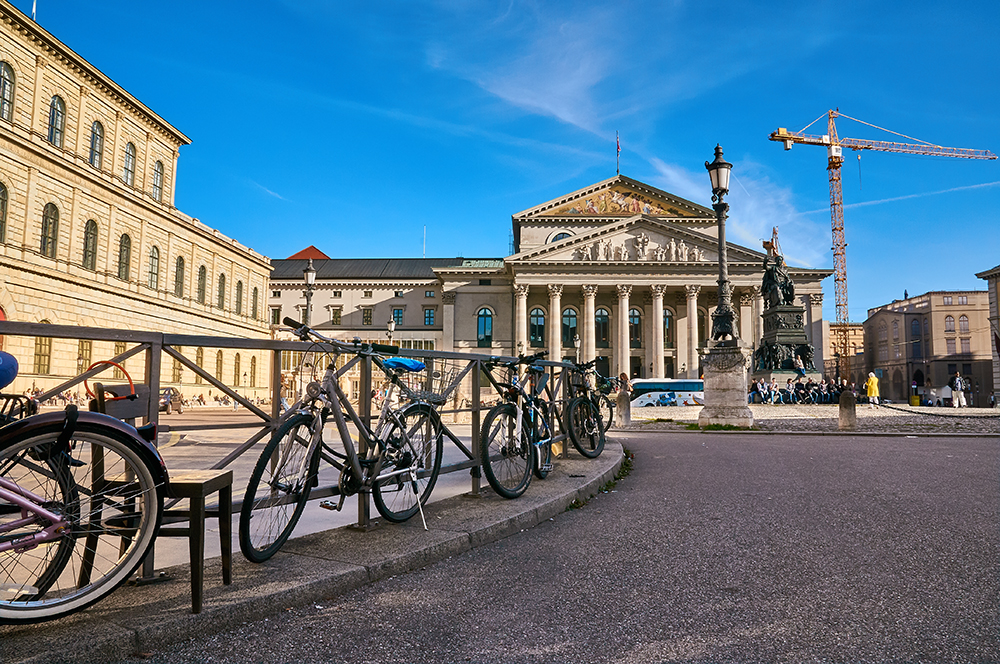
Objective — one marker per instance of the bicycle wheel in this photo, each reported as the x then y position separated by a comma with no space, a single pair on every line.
506,462
278,489
112,502
585,427
414,441
542,464
606,409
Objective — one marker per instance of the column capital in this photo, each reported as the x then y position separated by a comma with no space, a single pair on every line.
658,290
746,299
555,290
521,290
692,291
815,298
448,297
624,291
755,291
589,292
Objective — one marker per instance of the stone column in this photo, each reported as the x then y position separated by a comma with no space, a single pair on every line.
692,316
80,152
816,337
746,315
658,330
758,312
680,335
622,346
37,112
555,322
520,319
448,321
588,341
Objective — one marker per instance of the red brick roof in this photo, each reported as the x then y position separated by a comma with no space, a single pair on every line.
309,252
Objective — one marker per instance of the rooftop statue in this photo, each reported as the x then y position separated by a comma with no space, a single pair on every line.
776,287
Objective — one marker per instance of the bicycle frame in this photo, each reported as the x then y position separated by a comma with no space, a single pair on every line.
29,503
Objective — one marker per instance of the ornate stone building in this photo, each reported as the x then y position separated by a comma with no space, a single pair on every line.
89,234
626,268
992,278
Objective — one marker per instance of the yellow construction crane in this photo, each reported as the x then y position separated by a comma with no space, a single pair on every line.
835,157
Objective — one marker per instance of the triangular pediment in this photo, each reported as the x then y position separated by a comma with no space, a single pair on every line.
638,239
618,197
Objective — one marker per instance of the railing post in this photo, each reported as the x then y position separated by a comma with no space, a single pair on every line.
276,385
476,448
154,357
365,412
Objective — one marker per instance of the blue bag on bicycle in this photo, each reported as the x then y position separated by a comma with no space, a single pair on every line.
8,369
404,363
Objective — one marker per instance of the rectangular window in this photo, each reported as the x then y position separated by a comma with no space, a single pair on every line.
335,316
336,293
275,315
428,316
485,282
366,293
966,370
428,293
398,293
119,349
397,315
429,344
177,372
83,354
950,343
952,368
366,316
963,299
947,299
276,293
897,351
966,345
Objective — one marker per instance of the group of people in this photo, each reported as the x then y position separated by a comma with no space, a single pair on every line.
797,391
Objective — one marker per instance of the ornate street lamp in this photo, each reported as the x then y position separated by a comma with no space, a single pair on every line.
309,274
390,327
723,318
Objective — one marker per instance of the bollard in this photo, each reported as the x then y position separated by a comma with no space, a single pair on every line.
848,412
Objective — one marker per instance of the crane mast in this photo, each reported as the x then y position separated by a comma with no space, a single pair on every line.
835,159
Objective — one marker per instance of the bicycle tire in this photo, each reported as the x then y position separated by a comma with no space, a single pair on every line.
277,492
114,505
396,497
542,465
506,463
585,427
606,408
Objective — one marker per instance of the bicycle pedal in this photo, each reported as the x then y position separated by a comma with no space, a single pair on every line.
546,467
332,506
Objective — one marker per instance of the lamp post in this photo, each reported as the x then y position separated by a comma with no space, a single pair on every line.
723,317
309,275
390,327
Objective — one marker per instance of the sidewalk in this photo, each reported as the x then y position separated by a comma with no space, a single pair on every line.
307,570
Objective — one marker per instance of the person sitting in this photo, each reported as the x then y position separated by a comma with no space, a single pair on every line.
801,393
788,392
774,391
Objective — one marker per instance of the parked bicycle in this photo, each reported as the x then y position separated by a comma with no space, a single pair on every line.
583,411
516,439
81,499
399,461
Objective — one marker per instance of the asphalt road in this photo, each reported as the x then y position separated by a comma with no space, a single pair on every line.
717,548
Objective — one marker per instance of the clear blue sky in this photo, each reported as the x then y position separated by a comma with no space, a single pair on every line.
352,126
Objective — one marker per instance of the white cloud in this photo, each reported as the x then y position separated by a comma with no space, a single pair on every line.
267,191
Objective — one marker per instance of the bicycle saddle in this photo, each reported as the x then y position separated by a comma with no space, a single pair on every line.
404,364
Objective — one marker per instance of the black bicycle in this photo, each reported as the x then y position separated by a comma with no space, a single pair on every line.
583,412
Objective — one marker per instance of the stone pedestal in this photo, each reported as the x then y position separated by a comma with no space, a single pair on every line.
784,339
848,412
725,366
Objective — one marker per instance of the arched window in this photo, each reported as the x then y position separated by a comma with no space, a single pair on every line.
158,180
484,328
154,268
536,328
963,323
43,352
220,300
236,370
602,328
199,359
218,365
179,277
50,230
927,327
124,257
128,172
895,330
914,328
57,121
253,306
568,328
202,284
560,236
634,328
96,144
90,245
883,334
668,329
949,323
239,297
6,92
253,371
3,213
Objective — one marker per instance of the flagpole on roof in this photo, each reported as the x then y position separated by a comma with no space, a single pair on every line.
618,156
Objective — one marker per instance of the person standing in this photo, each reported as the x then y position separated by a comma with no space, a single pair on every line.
871,389
957,385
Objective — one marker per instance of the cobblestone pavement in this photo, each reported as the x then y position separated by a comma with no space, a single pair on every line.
886,419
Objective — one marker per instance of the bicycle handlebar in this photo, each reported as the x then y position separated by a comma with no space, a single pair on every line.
302,331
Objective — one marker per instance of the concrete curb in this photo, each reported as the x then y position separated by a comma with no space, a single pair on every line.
307,570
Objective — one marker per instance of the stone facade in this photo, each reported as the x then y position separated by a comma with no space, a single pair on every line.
992,278
89,234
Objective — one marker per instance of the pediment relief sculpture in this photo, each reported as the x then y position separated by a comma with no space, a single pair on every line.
639,247
616,200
